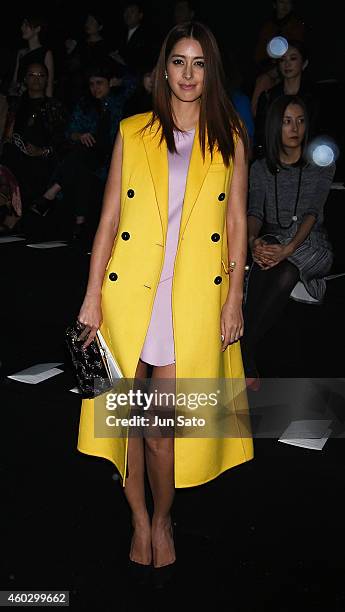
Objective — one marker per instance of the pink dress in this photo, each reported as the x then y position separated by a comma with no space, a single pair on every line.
158,347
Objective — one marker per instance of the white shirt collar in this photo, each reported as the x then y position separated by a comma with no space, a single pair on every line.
131,32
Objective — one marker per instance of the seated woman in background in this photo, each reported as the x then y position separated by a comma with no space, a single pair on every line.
33,31
34,135
286,234
286,23
91,130
93,48
292,66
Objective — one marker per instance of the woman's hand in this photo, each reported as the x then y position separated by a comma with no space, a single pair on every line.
33,150
268,255
259,254
90,315
115,55
231,322
87,139
70,45
275,253
115,82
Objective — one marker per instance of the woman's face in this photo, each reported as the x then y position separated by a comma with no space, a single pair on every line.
92,26
36,78
293,129
99,87
291,64
148,82
28,31
132,15
283,8
185,68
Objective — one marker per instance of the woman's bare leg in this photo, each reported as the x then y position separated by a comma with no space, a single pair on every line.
159,452
134,490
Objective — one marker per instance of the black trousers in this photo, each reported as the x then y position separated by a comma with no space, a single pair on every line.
267,295
76,176
32,173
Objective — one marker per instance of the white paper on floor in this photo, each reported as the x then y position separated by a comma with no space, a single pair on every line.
4,239
313,444
75,390
47,245
313,433
37,373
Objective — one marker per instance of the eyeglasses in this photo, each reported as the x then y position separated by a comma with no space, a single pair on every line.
39,75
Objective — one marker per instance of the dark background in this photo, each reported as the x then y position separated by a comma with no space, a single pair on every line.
236,26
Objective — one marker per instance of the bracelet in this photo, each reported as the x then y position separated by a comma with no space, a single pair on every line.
232,266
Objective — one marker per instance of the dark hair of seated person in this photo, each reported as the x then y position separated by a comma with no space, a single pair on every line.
38,21
104,70
273,130
300,46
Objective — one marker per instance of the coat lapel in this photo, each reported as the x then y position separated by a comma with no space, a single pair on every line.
197,171
157,156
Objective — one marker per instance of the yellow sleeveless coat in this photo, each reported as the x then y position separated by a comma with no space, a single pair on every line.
130,282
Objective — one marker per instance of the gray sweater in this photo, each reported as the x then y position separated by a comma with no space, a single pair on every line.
315,185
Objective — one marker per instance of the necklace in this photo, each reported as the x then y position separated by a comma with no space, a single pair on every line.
294,217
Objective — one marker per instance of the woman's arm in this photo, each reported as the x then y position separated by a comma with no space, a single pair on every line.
256,244
86,138
15,76
319,189
263,83
256,212
254,227
14,83
302,233
49,62
90,312
236,223
80,126
275,253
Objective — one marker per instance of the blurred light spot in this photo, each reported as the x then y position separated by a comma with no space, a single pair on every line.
323,155
277,47
322,151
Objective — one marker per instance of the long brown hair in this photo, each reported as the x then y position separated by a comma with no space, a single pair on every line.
218,120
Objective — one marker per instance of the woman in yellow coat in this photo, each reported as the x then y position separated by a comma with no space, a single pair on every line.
166,280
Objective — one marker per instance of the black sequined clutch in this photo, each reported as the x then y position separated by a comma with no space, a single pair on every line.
91,365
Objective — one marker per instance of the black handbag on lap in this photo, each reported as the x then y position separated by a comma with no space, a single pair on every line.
91,365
